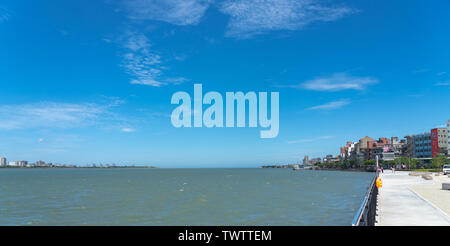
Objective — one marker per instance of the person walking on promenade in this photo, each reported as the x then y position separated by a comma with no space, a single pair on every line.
393,170
382,170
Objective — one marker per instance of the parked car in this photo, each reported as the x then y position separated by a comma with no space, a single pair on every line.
446,169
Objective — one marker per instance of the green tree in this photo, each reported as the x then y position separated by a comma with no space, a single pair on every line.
402,160
370,162
389,163
347,164
438,161
447,161
419,163
412,163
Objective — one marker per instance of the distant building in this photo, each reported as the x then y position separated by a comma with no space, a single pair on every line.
3,162
306,160
364,143
394,140
388,156
410,146
386,153
348,151
315,161
398,147
40,163
439,141
13,164
371,148
422,145
448,138
331,159
364,146
368,148
22,163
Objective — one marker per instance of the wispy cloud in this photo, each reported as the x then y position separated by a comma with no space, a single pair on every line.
5,14
422,70
330,105
177,12
442,84
309,140
441,73
415,95
51,114
144,65
127,129
253,17
337,82
136,42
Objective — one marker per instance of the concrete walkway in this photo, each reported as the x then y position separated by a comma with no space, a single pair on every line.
398,205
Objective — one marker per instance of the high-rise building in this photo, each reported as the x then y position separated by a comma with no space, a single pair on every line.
3,162
22,163
40,163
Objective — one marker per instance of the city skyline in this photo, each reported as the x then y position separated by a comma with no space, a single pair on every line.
86,86
387,149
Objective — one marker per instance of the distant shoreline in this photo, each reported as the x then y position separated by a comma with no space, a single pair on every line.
78,167
365,169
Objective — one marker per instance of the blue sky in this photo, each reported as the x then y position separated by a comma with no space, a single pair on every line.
91,81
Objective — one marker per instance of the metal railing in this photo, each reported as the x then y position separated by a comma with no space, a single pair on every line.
367,212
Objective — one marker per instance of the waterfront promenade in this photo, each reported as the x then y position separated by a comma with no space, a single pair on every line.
412,201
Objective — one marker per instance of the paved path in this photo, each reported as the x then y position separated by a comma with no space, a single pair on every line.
398,205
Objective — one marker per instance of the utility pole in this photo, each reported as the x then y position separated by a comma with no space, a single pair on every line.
409,161
378,172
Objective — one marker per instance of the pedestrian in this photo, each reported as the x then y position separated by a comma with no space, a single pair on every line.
382,170
393,170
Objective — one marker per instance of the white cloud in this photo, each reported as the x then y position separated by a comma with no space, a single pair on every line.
51,114
137,41
5,14
443,84
177,12
309,140
331,105
253,17
423,70
144,65
176,80
337,82
127,129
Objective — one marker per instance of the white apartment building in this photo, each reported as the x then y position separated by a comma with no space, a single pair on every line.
13,163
